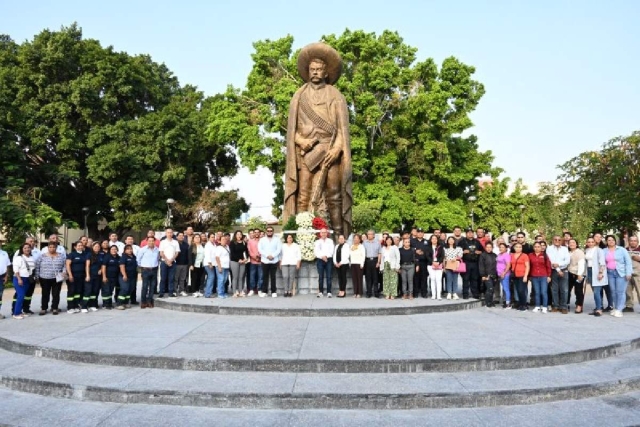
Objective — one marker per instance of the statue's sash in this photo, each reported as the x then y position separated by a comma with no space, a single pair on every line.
314,158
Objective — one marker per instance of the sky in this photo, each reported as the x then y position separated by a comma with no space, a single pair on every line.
561,77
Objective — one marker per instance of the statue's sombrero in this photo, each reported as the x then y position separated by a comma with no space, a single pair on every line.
321,51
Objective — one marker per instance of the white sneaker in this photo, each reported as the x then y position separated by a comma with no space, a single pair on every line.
250,294
455,296
544,310
618,313
329,295
612,312
183,294
536,310
261,294
319,295
71,311
448,296
433,297
439,298
274,295
84,310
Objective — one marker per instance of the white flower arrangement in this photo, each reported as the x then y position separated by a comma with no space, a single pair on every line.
306,235
304,220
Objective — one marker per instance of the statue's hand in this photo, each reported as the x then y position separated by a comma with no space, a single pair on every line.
304,143
332,156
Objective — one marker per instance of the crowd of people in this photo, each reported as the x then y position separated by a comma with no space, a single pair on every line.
508,270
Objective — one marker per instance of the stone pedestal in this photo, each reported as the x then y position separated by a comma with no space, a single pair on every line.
307,282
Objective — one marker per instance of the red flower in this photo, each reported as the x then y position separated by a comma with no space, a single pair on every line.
319,223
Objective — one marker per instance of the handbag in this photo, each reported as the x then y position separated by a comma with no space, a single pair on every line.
462,267
32,273
451,264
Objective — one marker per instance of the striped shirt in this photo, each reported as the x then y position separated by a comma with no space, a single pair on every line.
49,266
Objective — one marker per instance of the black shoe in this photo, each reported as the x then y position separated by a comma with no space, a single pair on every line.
627,310
608,309
463,297
160,296
378,296
135,303
109,307
29,312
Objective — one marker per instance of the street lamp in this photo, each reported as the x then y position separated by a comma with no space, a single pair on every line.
522,217
472,199
85,212
167,221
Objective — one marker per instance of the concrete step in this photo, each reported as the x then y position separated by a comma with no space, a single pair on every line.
390,366
268,390
28,410
470,340
311,306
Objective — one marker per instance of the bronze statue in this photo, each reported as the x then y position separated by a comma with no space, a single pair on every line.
318,172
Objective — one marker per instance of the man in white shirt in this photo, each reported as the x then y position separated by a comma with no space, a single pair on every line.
4,277
270,249
323,251
113,241
210,264
559,257
223,263
169,250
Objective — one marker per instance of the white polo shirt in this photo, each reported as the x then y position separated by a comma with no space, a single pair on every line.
169,248
222,252
4,262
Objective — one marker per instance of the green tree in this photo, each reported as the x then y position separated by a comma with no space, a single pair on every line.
103,129
611,179
553,212
407,117
499,208
212,210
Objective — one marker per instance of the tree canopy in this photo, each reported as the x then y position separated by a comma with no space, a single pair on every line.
407,119
610,178
86,126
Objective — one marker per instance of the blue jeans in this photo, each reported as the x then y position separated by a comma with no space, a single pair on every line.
126,286
21,291
597,296
211,275
324,268
149,282
618,285
451,281
255,277
506,287
540,291
167,275
222,276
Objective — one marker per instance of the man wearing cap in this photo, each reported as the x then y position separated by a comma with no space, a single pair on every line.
318,170
419,244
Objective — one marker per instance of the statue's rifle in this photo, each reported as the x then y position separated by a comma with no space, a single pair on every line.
324,171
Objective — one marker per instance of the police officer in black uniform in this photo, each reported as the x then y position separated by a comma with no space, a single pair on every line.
110,273
76,270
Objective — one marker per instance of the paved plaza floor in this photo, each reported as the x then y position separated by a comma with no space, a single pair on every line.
464,365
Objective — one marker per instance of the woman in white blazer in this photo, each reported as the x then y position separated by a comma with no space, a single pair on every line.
341,255
596,273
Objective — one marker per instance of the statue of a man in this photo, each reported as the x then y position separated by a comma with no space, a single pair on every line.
318,172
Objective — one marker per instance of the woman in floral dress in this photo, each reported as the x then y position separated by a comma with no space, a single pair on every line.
390,267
